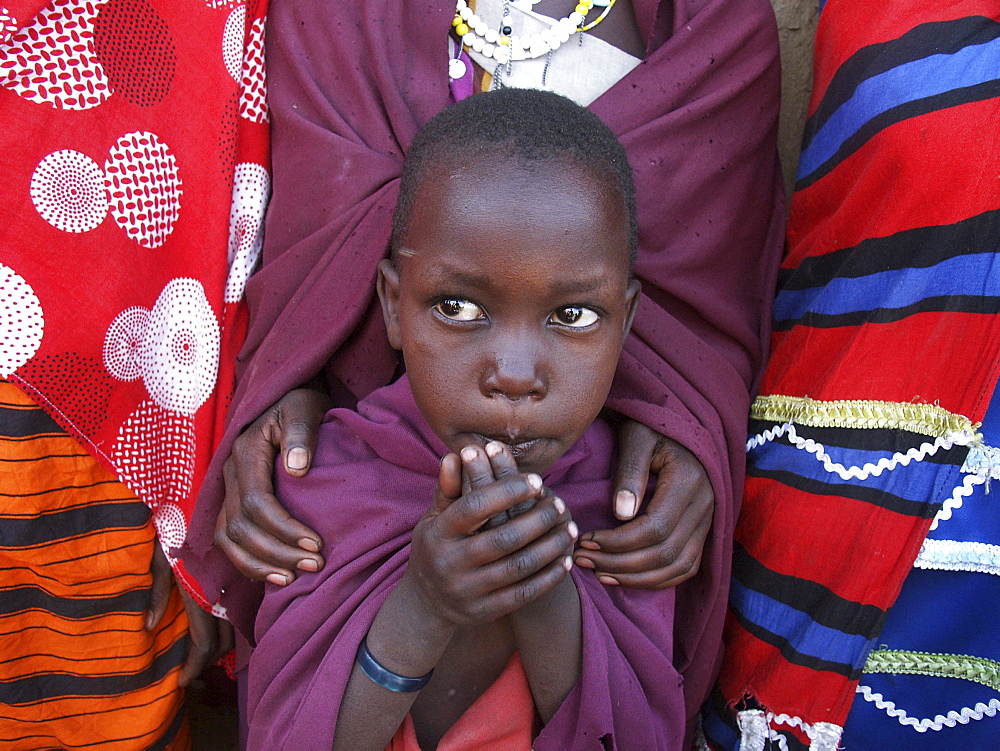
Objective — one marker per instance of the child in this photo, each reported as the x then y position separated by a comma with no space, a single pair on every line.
449,613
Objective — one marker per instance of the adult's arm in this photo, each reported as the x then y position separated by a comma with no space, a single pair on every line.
697,118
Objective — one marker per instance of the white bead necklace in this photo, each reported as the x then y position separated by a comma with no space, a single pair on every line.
504,46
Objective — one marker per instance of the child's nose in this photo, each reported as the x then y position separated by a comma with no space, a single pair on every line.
516,372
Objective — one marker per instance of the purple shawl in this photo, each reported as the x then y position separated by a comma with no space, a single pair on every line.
349,87
373,479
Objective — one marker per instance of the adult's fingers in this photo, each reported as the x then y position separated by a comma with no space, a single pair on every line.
252,461
256,552
636,446
163,578
663,547
209,639
666,564
299,415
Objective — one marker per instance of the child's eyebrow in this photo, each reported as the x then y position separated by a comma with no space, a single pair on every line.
581,286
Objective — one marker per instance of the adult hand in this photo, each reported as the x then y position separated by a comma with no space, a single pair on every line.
662,547
261,539
210,637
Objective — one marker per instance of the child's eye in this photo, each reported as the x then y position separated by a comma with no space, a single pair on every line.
575,317
455,309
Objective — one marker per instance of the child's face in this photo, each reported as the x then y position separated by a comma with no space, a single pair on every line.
511,303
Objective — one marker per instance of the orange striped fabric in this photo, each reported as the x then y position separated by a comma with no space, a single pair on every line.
77,667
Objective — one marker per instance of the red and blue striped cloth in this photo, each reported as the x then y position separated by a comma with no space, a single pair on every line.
886,352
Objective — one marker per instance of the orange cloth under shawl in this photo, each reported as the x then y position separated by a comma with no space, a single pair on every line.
503,717
77,666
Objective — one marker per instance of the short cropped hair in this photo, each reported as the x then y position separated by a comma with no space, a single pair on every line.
524,124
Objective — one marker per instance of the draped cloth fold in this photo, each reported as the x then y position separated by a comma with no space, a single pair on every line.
349,92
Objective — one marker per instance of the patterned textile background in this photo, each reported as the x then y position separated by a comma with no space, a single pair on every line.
135,178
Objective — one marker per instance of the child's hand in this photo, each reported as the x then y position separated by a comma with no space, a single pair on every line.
465,572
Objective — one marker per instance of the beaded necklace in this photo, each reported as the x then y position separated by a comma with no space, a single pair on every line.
504,46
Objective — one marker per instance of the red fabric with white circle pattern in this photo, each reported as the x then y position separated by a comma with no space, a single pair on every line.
135,163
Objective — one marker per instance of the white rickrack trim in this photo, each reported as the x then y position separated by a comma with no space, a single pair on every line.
700,741
939,722
984,461
917,454
823,736
754,731
959,555
955,500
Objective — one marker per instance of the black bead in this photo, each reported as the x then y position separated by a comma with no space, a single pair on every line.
506,30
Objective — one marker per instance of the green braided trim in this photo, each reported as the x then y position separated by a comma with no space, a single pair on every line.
897,661
925,419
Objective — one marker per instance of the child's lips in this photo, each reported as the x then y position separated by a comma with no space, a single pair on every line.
518,445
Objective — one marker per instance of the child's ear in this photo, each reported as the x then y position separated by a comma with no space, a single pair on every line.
388,294
632,295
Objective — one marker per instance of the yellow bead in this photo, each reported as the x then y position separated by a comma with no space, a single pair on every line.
456,20
582,8
462,29
504,40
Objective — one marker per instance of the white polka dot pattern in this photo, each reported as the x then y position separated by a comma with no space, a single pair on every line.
144,187
154,455
179,356
251,189
123,341
21,321
67,189
253,98
52,59
232,42
171,527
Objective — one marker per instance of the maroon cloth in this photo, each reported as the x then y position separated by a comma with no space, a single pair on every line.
348,92
373,479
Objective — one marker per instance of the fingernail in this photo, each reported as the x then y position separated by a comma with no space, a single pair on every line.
534,481
468,454
149,620
584,562
307,564
279,579
297,458
558,503
493,449
568,563
573,530
589,545
609,581
625,503
307,543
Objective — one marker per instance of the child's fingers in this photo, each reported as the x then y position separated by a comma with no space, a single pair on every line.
449,488
502,541
554,545
514,597
476,468
466,515
501,459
